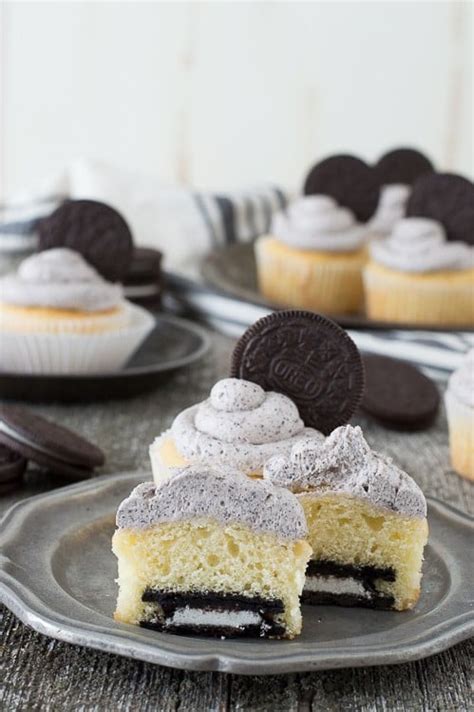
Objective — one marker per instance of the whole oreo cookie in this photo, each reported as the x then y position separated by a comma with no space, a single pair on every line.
307,357
447,198
402,165
47,444
351,182
95,230
398,394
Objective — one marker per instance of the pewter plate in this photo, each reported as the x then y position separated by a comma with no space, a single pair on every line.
57,575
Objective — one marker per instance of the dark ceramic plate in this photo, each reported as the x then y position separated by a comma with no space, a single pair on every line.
172,344
232,271
63,586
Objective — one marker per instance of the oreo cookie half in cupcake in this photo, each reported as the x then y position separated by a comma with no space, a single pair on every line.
95,230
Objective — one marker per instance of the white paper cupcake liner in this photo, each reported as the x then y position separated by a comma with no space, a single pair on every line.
55,354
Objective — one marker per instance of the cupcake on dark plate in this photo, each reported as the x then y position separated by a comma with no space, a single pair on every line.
423,272
58,315
317,250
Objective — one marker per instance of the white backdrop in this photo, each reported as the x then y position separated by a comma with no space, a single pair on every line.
230,94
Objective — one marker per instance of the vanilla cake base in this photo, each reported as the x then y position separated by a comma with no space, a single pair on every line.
197,576
362,555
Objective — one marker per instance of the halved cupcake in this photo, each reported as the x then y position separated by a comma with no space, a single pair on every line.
211,552
366,519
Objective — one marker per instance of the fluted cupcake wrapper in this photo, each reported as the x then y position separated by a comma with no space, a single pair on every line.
74,353
326,282
437,299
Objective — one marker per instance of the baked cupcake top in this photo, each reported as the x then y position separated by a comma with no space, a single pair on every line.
461,382
241,425
226,496
391,207
59,279
317,222
345,463
420,245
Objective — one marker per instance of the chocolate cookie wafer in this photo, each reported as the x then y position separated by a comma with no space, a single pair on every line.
307,357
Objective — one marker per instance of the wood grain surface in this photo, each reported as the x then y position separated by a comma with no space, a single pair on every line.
37,673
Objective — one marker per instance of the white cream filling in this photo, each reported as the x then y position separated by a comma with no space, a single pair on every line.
336,585
229,619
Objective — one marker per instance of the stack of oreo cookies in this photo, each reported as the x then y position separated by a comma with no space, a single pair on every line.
26,436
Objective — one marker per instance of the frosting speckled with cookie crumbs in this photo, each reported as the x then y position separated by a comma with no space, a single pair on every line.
59,279
226,496
346,463
240,425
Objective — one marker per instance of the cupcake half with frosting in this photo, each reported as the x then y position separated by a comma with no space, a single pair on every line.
366,519
211,552
417,276
459,401
314,257
58,315
239,426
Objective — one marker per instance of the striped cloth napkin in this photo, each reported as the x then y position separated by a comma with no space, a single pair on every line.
185,225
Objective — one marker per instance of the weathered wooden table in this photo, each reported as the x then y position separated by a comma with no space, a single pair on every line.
37,673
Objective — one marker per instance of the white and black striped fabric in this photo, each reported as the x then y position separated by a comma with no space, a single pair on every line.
438,353
185,225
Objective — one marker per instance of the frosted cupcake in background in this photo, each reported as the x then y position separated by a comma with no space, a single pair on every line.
58,315
314,257
459,400
417,276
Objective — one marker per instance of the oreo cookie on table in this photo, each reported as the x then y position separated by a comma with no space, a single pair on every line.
398,394
447,198
307,357
47,444
402,165
12,467
95,230
349,180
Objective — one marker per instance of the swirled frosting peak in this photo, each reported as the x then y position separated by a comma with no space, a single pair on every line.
317,222
420,245
391,207
226,496
345,463
60,279
241,425
461,382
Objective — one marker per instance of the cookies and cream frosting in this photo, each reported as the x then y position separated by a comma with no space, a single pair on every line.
420,245
226,496
461,382
239,424
345,463
60,279
391,207
317,222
